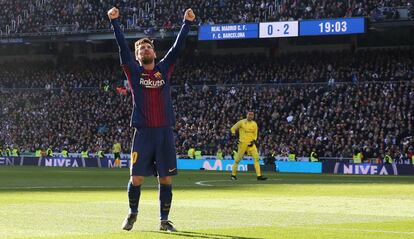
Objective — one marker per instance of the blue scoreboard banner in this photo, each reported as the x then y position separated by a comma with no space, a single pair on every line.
338,26
320,27
228,31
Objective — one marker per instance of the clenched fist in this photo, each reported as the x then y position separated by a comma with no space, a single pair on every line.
113,13
189,15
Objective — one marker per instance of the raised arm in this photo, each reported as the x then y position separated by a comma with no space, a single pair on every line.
124,51
174,51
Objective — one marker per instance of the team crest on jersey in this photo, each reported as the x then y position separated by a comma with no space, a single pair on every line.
158,75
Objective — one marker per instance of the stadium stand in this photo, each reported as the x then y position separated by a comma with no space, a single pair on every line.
345,66
66,16
371,112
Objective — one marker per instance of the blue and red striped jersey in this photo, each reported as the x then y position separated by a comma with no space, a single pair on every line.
151,93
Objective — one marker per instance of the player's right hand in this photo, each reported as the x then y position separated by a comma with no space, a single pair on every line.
189,15
113,13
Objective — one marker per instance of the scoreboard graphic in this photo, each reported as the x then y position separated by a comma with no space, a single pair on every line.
322,27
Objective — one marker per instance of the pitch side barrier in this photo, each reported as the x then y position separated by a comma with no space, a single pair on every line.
210,163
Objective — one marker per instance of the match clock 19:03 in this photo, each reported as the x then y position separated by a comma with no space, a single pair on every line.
332,26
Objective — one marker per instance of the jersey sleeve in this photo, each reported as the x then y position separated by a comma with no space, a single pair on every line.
124,51
170,58
235,127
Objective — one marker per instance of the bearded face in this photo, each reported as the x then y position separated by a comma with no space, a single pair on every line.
250,116
145,53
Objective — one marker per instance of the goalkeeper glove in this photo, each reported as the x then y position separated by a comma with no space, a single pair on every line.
252,143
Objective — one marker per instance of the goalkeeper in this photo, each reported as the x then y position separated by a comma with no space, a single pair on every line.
247,129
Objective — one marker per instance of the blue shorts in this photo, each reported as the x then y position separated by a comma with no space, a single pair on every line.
153,152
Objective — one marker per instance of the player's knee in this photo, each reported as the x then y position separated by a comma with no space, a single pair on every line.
137,180
165,180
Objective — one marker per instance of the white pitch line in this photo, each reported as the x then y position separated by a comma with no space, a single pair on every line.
206,183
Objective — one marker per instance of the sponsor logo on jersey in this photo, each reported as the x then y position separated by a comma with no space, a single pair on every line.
148,83
151,80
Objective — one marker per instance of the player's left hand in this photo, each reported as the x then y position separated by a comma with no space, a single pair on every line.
189,15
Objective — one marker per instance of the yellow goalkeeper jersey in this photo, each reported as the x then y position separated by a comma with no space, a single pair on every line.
247,130
116,148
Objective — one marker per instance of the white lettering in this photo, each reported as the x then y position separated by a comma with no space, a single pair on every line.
6,161
348,169
217,165
9,161
383,171
49,162
215,29
124,163
151,83
242,167
364,169
75,164
59,162
229,28
374,169
234,35
229,167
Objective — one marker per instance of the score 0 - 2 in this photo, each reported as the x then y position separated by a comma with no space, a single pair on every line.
278,29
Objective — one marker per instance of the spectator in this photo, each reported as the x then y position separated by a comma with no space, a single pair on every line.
86,15
372,114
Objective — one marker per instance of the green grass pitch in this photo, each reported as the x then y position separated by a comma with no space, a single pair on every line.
92,203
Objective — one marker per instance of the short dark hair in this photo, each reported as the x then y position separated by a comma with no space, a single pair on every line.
144,40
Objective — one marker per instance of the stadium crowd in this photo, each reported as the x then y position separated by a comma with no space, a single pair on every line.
49,74
196,69
68,118
336,120
374,118
89,15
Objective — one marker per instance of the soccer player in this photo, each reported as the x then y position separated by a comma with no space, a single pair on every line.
116,149
247,129
153,148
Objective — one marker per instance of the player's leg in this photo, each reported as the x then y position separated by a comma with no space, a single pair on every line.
141,165
134,194
117,160
166,163
255,154
165,197
242,147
